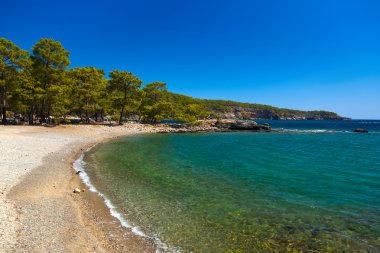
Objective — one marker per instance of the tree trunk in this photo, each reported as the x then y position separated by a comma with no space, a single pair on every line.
122,108
31,117
81,115
44,87
121,116
87,118
48,116
42,114
4,120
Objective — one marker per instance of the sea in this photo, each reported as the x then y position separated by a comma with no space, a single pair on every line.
311,186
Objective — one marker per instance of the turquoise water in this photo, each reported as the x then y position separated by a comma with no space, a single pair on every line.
307,190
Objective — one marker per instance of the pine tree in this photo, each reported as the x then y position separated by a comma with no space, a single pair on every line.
50,60
12,59
89,85
125,87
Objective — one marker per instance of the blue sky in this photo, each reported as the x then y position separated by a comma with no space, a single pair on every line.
309,55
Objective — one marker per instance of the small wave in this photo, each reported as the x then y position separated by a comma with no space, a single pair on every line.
369,122
308,130
79,166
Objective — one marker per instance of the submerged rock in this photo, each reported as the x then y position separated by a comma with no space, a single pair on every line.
76,190
360,130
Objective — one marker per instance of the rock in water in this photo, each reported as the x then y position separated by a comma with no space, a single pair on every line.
248,125
76,190
360,130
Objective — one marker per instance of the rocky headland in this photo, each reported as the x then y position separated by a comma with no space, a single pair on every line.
221,125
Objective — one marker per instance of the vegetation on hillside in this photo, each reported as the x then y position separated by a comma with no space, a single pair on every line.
38,87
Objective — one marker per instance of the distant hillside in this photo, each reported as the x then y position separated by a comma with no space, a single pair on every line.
232,109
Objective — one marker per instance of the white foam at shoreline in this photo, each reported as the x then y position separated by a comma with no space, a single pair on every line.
78,165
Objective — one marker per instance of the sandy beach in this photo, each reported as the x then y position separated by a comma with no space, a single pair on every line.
39,211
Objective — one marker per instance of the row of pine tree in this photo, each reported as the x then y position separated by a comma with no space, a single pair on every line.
39,87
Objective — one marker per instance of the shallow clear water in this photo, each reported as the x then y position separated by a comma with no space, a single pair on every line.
249,192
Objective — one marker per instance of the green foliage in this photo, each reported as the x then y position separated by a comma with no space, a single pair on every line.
51,54
125,91
88,91
154,106
11,57
24,98
196,110
12,60
50,60
183,108
158,111
58,95
217,107
154,92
